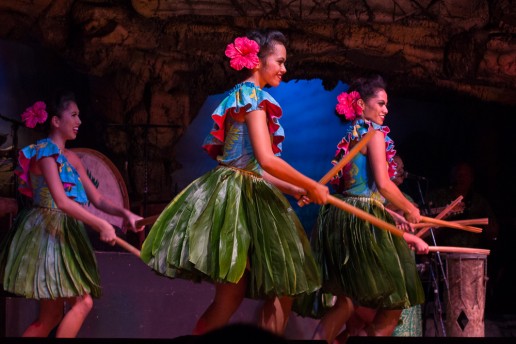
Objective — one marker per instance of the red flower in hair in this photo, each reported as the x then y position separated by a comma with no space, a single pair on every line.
348,105
35,114
243,53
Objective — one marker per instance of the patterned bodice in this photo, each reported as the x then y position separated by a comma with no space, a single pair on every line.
356,178
229,140
35,186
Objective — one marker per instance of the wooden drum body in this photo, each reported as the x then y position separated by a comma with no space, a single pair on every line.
465,299
108,180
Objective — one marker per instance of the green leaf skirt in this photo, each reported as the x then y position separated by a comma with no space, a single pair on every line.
47,255
227,222
370,265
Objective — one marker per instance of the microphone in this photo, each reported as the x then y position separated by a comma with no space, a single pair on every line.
409,175
12,120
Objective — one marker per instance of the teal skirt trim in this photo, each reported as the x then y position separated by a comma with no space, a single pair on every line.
227,222
47,255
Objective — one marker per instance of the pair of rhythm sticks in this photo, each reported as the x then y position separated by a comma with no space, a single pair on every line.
428,221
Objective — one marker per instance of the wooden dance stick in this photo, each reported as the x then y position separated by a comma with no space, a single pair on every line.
146,221
347,158
449,208
480,221
128,247
450,224
365,216
442,214
332,200
453,249
344,161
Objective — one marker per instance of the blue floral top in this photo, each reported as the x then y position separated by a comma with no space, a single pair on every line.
229,140
35,186
356,178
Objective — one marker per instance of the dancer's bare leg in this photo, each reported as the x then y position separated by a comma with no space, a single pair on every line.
50,314
275,313
333,321
359,320
228,297
74,318
384,323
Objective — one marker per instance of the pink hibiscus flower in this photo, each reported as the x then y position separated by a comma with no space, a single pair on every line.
347,105
243,53
35,114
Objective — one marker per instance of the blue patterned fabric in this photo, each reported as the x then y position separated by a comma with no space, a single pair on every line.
34,186
229,141
47,254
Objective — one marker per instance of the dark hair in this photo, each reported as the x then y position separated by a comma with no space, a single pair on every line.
266,39
367,86
59,102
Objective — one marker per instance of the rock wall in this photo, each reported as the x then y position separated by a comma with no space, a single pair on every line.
152,63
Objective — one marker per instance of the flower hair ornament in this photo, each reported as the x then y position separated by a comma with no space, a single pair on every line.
243,53
347,105
35,114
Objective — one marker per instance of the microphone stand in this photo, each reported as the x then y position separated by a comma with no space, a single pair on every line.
438,309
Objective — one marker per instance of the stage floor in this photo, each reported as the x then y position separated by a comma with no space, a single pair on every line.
137,303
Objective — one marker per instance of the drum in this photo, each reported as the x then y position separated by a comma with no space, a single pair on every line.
466,295
108,180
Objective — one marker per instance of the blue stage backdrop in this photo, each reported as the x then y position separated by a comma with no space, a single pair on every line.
312,131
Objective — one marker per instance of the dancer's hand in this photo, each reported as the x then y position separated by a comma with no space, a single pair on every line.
318,193
130,219
416,243
107,233
400,221
413,215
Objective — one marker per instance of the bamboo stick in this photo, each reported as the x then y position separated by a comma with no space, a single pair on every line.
467,222
128,247
453,249
480,221
442,214
451,224
365,216
449,208
345,160
146,221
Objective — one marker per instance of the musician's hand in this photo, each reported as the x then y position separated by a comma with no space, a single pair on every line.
459,208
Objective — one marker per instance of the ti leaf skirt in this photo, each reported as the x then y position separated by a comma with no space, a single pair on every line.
47,255
227,222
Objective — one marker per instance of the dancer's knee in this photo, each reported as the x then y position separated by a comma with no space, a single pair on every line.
84,304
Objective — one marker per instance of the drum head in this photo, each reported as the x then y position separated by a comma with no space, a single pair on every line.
108,180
